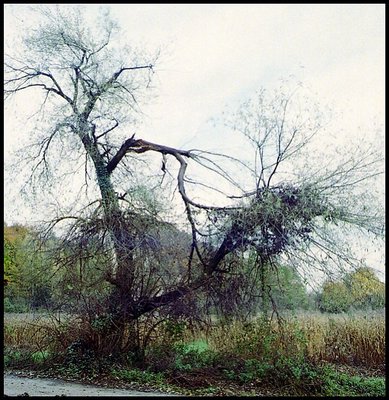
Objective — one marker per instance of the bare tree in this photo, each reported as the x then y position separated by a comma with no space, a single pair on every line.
90,91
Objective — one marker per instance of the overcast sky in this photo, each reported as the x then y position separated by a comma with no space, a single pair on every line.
213,55
216,55
222,53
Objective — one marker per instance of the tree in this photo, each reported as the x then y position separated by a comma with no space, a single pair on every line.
335,297
366,289
91,96
357,289
253,289
26,269
288,289
12,238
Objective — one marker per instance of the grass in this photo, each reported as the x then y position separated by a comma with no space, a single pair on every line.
357,341
320,355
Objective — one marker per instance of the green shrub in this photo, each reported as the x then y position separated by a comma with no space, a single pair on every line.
40,356
174,330
138,376
341,384
193,355
254,370
12,306
16,358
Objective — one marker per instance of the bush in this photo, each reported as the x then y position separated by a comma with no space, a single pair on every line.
12,306
41,297
193,355
335,298
333,383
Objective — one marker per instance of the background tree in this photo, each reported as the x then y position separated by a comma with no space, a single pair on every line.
27,270
276,207
359,289
13,237
288,289
335,297
254,290
366,289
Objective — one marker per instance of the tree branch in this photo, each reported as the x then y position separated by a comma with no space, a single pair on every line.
141,146
118,73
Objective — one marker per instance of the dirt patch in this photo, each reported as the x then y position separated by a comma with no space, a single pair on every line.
15,385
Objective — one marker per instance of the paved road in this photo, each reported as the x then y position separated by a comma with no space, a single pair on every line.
17,385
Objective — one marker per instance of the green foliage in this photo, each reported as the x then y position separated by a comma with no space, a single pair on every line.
287,289
22,357
360,289
79,360
35,281
15,305
198,346
298,376
12,357
174,330
335,297
251,370
27,269
193,355
283,213
40,356
19,358
262,354
366,289
180,356
9,260
101,323
13,238
257,286
332,383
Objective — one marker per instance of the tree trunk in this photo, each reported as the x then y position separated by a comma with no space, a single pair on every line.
264,285
122,300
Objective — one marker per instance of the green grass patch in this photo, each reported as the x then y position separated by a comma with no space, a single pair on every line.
341,384
138,376
40,356
196,346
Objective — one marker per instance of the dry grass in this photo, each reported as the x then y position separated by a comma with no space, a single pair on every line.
351,340
29,336
33,332
357,340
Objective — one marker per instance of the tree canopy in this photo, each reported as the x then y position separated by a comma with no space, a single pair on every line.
358,289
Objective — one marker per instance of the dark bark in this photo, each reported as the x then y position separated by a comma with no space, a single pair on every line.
141,146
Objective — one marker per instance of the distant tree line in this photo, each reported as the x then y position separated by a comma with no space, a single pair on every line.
31,282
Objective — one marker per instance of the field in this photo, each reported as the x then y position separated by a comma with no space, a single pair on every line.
303,354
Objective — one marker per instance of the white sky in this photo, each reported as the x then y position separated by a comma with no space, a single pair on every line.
217,54
214,55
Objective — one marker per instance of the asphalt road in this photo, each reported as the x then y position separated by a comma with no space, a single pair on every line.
17,385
